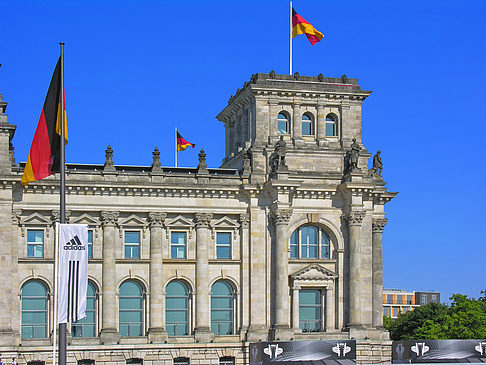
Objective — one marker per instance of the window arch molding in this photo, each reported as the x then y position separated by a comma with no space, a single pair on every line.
284,122
44,280
308,122
333,231
132,328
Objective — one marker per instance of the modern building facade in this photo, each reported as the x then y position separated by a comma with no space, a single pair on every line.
399,301
190,265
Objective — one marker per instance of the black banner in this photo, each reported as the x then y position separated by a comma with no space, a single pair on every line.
304,352
439,351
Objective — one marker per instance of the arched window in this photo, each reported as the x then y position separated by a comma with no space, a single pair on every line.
177,309
131,309
310,310
86,327
331,125
307,125
283,123
34,310
222,308
310,242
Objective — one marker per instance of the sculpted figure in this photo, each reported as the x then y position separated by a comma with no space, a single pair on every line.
377,164
354,157
280,152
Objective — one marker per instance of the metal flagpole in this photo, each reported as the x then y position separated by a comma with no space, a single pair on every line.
290,63
56,289
175,146
62,201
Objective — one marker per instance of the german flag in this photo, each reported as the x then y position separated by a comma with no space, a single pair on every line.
182,144
45,153
302,26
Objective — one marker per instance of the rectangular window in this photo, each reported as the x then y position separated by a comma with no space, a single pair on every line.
310,310
386,311
396,310
132,244
330,129
178,245
399,299
423,299
409,299
35,243
405,310
433,298
90,243
223,245
389,299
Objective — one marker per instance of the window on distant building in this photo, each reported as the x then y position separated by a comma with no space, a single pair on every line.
35,243
389,299
283,123
86,327
433,298
399,299
310,310
177,308
405,310
223,245
131,302
409,299
90,243
386,311
222,308
423,299
132,244
307,124
331,125
178,245
395,311
310,242
34,310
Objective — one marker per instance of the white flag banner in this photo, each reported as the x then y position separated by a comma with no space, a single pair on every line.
73,272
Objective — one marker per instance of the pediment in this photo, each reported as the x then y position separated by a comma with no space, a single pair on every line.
132,220
226,222
180,221
85,218
35,219
313,272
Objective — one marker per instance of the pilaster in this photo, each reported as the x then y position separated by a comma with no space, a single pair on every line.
297,125
377,240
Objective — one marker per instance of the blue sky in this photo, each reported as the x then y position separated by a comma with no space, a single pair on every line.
136,69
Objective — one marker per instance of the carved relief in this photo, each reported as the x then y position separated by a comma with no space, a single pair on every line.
281,216
109,218
244,220
203,220
355,217
156,219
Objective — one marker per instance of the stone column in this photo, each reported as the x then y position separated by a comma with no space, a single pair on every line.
156,326
297,125
354,219
321,125
273,121
109,332
281,328
295,308
330,315
244,272
202,330
377,240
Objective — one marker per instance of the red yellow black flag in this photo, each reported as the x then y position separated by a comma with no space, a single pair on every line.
45,153
302,26
182,144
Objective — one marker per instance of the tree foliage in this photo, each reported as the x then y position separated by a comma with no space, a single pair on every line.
465,318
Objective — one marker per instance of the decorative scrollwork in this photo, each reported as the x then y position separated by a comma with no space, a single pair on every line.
156,219
281,216
203,220
109,218
378,224
355,217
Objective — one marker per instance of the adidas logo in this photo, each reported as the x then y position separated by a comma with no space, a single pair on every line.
74,244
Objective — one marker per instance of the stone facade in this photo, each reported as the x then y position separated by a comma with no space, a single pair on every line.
257,204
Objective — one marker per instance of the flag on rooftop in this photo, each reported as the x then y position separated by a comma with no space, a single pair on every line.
302,26
182,144
44,157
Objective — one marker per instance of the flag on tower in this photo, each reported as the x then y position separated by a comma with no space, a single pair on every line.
45,153
302,26
182,144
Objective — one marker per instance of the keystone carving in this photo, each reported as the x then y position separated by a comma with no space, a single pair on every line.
355,217
378,224
203,220
281,216
109,218
157,219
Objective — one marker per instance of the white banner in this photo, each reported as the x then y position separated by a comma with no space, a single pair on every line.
73,272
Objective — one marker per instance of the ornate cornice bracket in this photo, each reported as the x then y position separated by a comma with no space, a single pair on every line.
109,218
378,224
354,217
280,216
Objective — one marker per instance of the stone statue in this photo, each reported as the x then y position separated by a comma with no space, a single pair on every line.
354,156
377,164
280,152
247,162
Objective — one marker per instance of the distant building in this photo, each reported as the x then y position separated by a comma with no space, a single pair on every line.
399,301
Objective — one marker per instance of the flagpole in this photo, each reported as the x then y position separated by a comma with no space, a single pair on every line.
56,289
62,201
175,146
290,53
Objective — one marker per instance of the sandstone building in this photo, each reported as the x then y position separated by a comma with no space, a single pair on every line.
190,265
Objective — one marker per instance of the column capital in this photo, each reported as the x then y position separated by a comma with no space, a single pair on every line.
109,218
378,224
203,220
281,216
156,219
244,220
355,217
